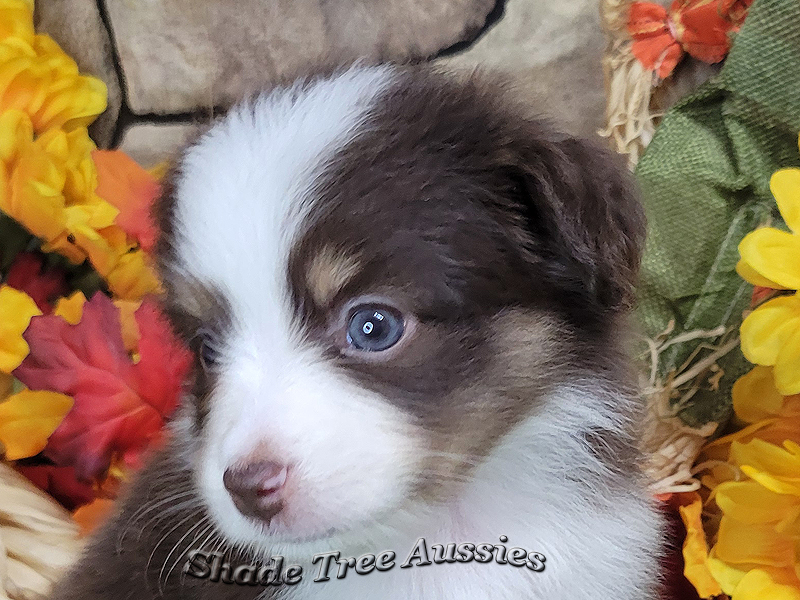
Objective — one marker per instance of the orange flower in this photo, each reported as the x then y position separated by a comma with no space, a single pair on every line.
131,189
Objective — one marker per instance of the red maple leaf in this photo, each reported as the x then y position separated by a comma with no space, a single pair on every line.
120,406
61,483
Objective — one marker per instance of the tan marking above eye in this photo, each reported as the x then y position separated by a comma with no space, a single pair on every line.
328,272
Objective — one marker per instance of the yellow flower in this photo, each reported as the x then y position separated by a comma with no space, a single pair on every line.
771,258
16,311
771,337
133,277
47,185
48,178
16,20
28,418
758,494
38,78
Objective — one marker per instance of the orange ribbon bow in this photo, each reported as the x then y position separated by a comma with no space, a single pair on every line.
700,28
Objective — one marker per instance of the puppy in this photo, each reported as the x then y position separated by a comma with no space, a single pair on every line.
407,303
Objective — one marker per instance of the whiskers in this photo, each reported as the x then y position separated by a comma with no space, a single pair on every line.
177,502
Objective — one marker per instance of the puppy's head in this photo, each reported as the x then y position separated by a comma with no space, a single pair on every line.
381,272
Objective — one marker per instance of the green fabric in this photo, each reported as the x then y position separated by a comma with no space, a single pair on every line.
705,180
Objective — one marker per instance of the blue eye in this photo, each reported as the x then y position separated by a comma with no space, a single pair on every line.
374,328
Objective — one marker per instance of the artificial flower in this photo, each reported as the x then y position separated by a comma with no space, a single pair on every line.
770,258
700,28
132,190
47,185
771,337
754,479
39,79
71,310
120,406
28,418
133,276
16,311
16,20
695,547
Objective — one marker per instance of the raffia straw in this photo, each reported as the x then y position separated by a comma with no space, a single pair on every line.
630,121
671,446
38,539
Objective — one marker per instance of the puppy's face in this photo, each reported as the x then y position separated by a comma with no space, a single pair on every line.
381,273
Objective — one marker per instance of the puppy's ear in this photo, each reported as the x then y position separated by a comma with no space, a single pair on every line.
582,210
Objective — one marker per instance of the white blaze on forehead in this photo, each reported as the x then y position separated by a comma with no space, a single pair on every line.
247,185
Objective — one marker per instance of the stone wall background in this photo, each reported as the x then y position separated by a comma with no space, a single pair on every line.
172,64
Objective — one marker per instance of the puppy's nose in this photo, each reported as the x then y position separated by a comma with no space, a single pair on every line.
255,488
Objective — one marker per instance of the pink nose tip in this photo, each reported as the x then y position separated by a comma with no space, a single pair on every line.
255,488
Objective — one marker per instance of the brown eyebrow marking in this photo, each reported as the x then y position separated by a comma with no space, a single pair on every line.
328,272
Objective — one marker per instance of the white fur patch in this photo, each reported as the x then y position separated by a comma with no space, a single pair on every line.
243,195
601,546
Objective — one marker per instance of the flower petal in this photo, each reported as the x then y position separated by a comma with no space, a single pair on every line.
787,367
779,486
28,419
728,576
16,311
755,396
766,457
751,503
758,584
785,186
741,543
773,254
765,330
71,309
750,275
695,550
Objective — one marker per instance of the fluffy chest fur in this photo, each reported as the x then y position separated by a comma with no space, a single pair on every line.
406,300
537,490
